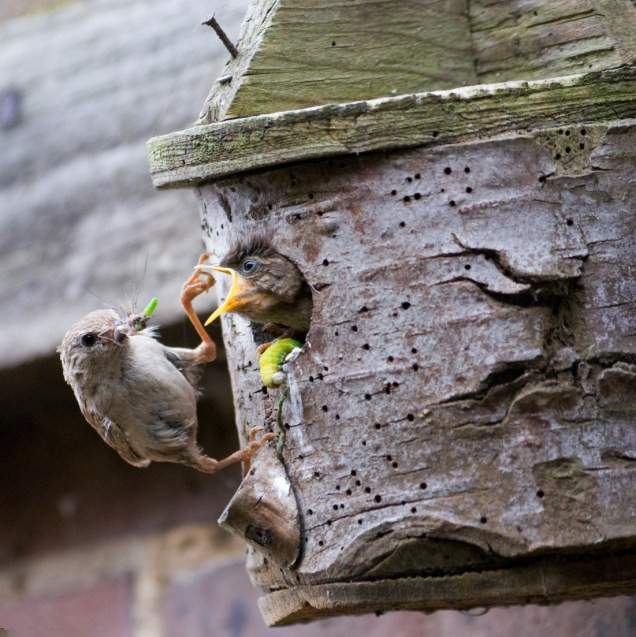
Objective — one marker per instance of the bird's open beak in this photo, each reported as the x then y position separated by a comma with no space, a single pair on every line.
235,298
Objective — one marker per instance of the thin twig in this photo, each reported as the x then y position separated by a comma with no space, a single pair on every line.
211,22
281,426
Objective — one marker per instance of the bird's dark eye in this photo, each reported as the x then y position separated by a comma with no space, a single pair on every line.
249,265
88,340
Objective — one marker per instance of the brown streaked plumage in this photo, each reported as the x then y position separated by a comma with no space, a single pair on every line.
138,394
266,286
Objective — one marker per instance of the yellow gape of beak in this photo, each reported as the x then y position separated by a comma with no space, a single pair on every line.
231,301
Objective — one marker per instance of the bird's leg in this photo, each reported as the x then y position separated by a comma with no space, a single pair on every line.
210,465
193,287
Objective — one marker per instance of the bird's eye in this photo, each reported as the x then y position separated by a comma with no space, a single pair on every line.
249,265
88,340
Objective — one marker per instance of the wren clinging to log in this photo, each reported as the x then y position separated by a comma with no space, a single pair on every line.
138,394
266,286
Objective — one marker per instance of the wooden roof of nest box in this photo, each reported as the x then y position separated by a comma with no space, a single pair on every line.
456,184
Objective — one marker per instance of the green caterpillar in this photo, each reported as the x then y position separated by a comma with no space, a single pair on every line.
272,361
148,310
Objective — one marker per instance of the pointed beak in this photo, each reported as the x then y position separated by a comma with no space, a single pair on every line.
233,301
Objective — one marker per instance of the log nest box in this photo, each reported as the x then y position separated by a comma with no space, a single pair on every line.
456,182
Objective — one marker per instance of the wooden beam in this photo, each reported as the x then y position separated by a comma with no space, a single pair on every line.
547,581
206,152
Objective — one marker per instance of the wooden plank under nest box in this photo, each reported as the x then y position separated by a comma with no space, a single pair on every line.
457,186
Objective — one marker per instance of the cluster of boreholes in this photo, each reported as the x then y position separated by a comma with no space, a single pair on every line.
416,196
356,484
571,144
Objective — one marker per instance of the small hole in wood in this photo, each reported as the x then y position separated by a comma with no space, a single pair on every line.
387,388
378,498
311,379
337,416
348,491
452,203
422,485
342,506
316,474
583,132
557,156
311,195
542,179
358,483
337,487
567,133
413,510
540,493
417,196
447,170
390,359
409,179
406,305
359,521
394,192
402,224
364,308
394,465
367,489
354,472
366,346
335,507
320,543
406,199
467,169
410,417
364,443
354,328
417,175
328,522
570,222
389,458
581,145
568,149
435,133
413,350
333,44
467,266
469,189
367,396
325,261
560,131
325,408
483,519
310,512
415,367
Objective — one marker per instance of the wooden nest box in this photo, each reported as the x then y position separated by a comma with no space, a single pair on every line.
456,182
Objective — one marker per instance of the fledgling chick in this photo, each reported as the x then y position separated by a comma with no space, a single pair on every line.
266,286
138,394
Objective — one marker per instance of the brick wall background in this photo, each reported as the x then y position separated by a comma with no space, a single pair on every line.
89,546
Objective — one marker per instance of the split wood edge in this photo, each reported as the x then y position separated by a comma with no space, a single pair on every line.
198,154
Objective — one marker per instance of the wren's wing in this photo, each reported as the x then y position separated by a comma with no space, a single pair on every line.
113,435
187,361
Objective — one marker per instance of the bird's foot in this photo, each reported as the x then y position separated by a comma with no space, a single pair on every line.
193,287
254,445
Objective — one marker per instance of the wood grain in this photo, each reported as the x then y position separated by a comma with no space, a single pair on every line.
465,402
206,152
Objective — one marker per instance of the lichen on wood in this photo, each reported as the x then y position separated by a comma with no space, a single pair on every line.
206,152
